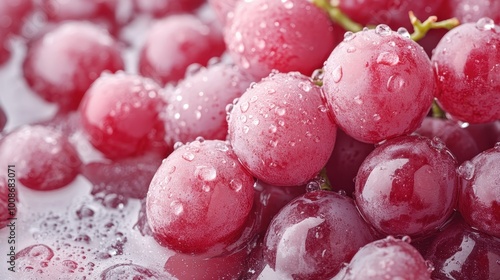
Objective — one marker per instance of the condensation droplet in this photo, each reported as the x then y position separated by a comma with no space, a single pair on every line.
406,239
497,146
437,143
280,111
253,99
188,156
395,83
358,100
246,129
244,106
322,108
205,188
348,36
287,4
485,23
255,122
351,49
337,74
235,185
430,266
273,143
466,170
229,108
388,58
404,32
383,30
272,128
281,122
177,207
376,117
271,91
305,86
243,118
197,114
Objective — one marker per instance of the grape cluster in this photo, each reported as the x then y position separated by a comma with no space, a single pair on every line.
261,139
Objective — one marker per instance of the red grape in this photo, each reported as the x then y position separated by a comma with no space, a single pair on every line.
407,186
288,35
388,258
461,253
200,188
130,271
379,84
467,65
224,8
197,106
12,15
479,200
60,10
174,43
456,138
160,8
120,114
62,64
472,10
314,234
43,157
280,130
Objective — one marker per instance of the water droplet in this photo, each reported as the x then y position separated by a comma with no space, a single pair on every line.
388,58
383,30
322,108
281,122
235,185
292,143
200,139
337,74
358,100
404,33
305,86
316,139
351,49
205,173
197,114
272,128
497,146
348,36
261,44
244,63
246,129
205,188
193,69
255,122
235,101
273,143
395,83
406,239
280,111
287,4
376,117
271,91
177,116
437,143
171,169
342,192
317,75
253,99
229,108
430,266
244,106
485,23
188,156
466,170
243,118
177,207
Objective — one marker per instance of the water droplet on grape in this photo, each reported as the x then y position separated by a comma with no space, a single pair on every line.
287,4
376,117
200,139
246,129
406,239
358,100
281,122
348,36
404,33
243,118
466,170
383,30
388,58
177,207
244,63
485,23
342,192
235,185
193,69
437,143
305,86
497,146
273,143
188,156
272,128
280,111
271,91
171,169
337,74
351,49
205,188
430,266
229,108
395,83
255,122
244,106
317,75
197,114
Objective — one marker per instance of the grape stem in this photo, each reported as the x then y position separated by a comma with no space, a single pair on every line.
337,15
437,112
325,185
420,29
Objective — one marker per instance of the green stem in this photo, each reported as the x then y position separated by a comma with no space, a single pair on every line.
325,184
420,29
437,112
338,16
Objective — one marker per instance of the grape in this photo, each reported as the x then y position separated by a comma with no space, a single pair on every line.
313,235
34,258
407,186
175,42
224,8
467,64
62,64
459,252
13,13
485,134
197,106
479,201
288,35
388,258
343,165
280,130
61,10
160,8
472,10
378,84
202,189
43,157
457,139
120,115
129,271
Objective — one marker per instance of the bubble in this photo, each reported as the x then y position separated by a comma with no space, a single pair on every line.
383,30
348,36
244,63
466,170
200,139
281,122
485,23
235,185
188,156
337,74
388,58
197,114
404,32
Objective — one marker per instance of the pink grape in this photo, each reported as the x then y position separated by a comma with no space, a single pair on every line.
280,130
407,186
467,65
379,84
